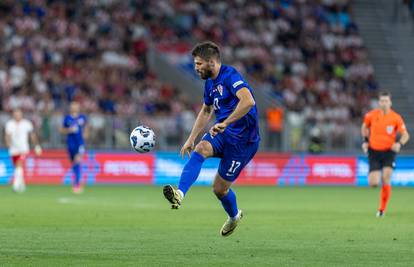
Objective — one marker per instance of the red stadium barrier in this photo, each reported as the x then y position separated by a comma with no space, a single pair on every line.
264,169
54,167
124,168
331,170
50,168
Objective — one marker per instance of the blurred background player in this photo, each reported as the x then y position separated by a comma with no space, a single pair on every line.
234,138
74,126
379,130
18,131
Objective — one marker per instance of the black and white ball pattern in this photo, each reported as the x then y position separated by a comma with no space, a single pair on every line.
142,139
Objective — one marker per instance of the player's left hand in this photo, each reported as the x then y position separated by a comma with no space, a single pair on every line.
218,128
396,147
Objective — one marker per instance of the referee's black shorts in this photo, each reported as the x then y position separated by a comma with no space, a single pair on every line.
380,159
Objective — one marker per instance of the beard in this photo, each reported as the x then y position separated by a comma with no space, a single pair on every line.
206,74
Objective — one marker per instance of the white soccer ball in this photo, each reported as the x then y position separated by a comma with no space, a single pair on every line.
142,139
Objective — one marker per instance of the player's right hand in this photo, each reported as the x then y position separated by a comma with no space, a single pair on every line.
187,148
365,147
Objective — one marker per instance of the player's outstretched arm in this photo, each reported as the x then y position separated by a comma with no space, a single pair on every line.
246,102
200,123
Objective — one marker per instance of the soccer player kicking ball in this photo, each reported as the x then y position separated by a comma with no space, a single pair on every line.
379,131
234,138
74,126
18,131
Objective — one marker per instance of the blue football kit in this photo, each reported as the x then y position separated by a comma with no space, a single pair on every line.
236,145
75,142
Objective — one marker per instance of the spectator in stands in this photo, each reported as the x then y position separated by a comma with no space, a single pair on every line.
307,55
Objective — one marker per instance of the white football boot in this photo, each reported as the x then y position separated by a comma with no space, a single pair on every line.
231,224
173,196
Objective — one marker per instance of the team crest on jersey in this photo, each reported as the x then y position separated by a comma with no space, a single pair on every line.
390,129
220,89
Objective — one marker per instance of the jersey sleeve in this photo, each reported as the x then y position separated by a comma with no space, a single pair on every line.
401,125
208,100
236,82
367,119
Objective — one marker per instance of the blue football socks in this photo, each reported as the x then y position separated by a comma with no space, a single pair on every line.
190,172
230,204
77,171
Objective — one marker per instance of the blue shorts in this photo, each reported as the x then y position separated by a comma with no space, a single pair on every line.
234,155
73,151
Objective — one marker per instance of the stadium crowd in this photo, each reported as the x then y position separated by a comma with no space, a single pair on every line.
305,54
94,52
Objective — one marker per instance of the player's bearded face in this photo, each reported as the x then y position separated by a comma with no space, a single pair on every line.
206,73
203,68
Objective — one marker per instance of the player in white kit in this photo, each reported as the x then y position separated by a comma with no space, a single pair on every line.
18,131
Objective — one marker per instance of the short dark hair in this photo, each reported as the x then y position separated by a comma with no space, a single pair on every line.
206,50
384,93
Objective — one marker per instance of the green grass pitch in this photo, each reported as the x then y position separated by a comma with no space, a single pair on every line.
133,226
